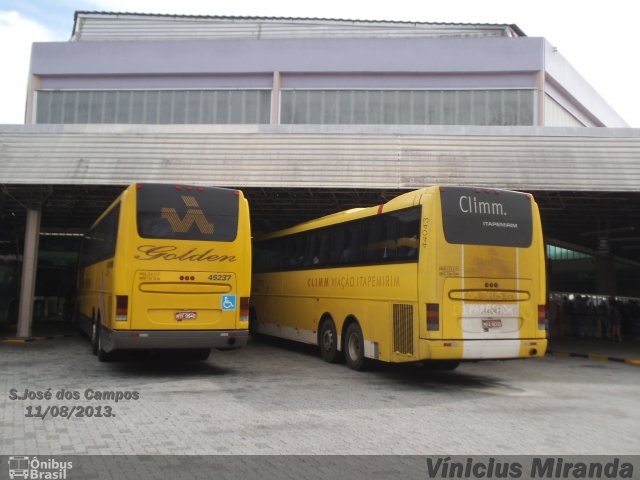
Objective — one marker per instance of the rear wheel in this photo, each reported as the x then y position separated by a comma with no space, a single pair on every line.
328,341
102,355
354,347
253,325
95,330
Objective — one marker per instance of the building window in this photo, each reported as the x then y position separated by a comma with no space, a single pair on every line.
408,107
559,253
154,106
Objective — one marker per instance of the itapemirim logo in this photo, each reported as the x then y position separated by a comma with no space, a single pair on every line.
35,468
194,215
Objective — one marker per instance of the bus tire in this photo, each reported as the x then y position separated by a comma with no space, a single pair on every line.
328,341
354,347
102,355
254,334
95,331
441,365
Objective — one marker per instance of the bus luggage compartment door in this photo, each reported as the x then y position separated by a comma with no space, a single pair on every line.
170,300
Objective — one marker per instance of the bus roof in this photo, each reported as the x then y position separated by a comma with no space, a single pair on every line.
401,201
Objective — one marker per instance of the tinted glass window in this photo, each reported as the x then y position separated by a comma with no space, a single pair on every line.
486,217
380,239
267,256
408,233
200,214
294,251
100,243
154,106
390,237
407,107
319,248
346,244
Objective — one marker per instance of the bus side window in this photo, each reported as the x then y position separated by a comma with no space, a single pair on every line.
350,248
336,245
289,252
380,239
318,252
408,234
268,256
324,247
295,250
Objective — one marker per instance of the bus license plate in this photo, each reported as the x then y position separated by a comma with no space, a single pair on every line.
186,316
491,323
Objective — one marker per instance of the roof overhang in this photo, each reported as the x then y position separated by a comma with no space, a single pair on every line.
585,180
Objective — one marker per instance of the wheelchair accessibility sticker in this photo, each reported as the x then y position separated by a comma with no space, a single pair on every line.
228,302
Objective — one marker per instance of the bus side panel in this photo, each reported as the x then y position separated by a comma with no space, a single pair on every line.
366,294
96,298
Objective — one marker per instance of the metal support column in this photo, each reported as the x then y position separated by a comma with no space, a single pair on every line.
539,80
275,98
29,268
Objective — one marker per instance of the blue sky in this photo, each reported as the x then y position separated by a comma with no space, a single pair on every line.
598,38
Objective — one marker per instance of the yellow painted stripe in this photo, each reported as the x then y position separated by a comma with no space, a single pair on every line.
602,358
632,361
32,339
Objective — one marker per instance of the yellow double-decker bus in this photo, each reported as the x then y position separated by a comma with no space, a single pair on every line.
438,275
167,267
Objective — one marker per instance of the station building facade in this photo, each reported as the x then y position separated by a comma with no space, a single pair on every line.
310,116
156,69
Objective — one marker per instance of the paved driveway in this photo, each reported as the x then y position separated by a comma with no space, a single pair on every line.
280,398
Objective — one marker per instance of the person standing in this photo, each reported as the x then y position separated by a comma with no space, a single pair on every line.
615,319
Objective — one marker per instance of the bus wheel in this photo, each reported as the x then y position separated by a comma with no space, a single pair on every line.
95,327
253,325
441,365
102,355
354,347
328,341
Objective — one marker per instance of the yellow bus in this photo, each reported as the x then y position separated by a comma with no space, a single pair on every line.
167,267
438,275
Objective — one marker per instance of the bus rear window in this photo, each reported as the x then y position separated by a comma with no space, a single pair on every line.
209,214
486,217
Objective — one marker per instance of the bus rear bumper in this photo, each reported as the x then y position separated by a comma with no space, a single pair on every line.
167,339
477,349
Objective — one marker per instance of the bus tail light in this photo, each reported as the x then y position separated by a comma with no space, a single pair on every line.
244,309
433,317
542,317
122,308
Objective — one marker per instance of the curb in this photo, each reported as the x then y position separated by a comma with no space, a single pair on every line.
33,339
593,356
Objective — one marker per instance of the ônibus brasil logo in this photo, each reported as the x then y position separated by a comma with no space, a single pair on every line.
34,468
